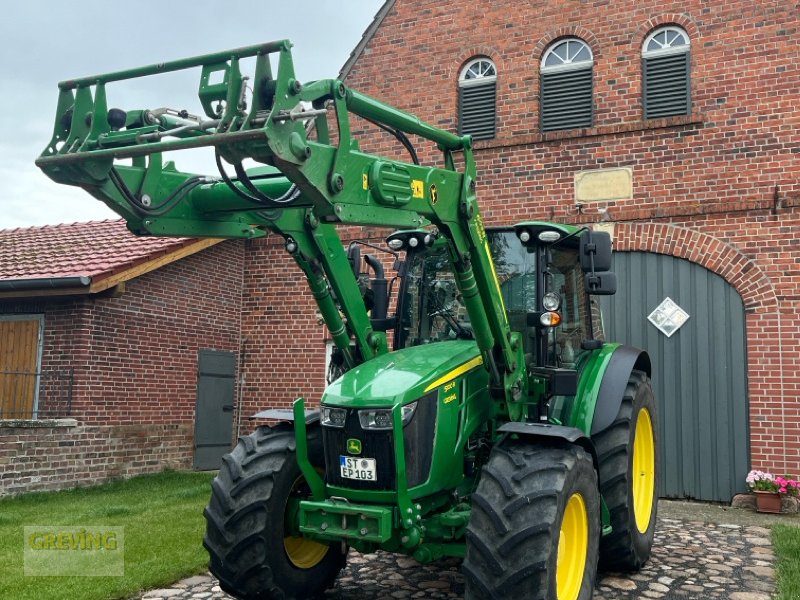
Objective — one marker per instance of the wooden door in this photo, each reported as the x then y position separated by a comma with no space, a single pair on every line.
20,342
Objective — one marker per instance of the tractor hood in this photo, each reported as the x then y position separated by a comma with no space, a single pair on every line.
402,376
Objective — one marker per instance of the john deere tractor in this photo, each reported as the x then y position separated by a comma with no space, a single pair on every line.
500,427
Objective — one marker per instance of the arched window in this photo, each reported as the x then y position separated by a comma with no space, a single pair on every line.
566,70
477,99
665,73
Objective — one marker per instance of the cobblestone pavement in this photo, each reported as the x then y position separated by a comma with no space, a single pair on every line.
690,559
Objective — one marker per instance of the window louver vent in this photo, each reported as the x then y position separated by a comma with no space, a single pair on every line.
477,109
566,100
666,86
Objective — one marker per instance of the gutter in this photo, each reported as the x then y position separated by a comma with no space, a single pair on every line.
44,283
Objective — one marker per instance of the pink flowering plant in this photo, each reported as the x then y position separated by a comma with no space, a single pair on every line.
761,481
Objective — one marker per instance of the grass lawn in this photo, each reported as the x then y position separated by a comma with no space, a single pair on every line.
786,540
163,519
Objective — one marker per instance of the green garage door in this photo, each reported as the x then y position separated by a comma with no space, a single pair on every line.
699,371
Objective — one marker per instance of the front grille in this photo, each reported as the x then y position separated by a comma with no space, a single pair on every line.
418,439
374,444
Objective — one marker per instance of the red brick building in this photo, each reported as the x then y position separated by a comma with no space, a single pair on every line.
678,131
104,341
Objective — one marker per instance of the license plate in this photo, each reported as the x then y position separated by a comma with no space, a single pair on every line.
358,468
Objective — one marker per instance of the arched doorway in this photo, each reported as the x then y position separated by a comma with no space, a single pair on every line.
699,371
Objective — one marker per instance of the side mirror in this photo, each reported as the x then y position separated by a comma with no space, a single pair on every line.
595,251
603,283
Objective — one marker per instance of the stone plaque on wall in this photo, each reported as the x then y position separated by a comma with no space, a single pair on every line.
598,185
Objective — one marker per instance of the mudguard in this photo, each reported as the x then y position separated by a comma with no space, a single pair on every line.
547,432
615,378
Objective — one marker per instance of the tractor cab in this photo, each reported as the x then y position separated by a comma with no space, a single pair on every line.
542,284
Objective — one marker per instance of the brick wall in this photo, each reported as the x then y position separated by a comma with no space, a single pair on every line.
737,147
719,187
142,365
52,458
135,372
282,340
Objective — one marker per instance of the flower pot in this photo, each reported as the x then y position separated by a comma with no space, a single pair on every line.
768,502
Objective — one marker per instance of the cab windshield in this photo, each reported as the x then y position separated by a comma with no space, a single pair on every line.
431,308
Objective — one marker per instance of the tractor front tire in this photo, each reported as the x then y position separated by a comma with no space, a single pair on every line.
535,525
628,464
254,552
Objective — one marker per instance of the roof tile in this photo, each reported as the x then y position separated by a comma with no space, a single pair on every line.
94,249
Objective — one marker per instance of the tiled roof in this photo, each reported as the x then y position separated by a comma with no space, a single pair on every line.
96,249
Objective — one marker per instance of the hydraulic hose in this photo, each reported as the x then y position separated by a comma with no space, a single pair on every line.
176,196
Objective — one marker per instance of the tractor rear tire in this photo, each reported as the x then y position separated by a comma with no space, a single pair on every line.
253,553
628,464
535,525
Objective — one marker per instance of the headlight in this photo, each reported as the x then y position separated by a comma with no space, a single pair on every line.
381,418
551,301
333,417
549,236
375,419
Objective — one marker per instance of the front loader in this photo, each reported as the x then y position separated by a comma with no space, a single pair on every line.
500,427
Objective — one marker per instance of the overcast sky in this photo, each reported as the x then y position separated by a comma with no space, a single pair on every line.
46,41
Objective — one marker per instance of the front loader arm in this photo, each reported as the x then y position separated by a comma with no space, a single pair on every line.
319,183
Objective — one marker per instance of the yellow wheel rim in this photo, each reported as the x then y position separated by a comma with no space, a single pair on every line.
573,544
303,553
644,470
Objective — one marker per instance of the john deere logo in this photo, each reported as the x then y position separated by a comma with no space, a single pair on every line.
354,446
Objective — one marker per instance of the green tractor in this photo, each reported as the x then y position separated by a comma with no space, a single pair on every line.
500,427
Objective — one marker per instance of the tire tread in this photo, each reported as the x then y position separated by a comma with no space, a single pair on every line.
510,548
241,495
625,548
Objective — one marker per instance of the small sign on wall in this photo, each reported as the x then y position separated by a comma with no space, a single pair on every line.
598,185
668,317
